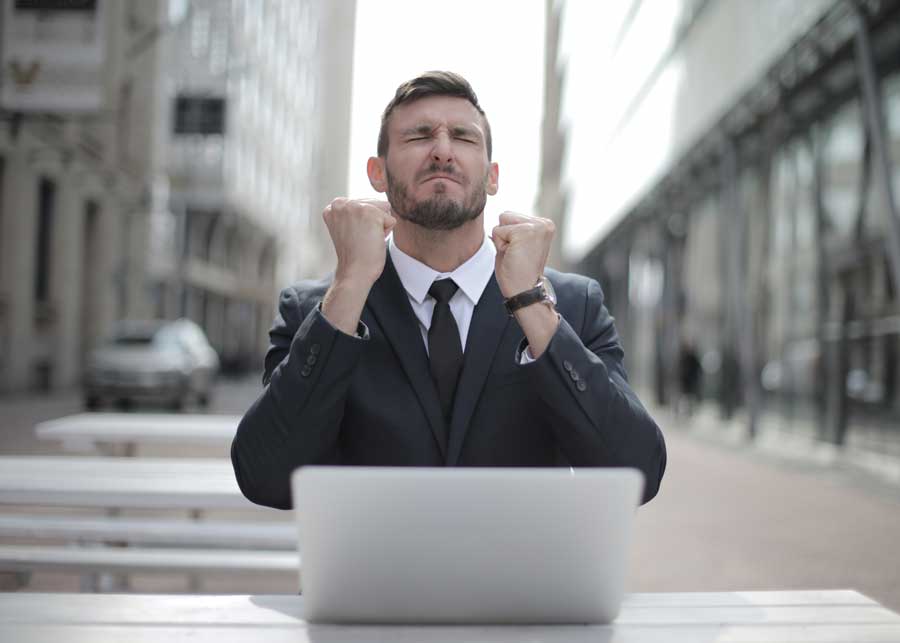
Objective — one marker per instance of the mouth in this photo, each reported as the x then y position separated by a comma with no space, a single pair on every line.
439,177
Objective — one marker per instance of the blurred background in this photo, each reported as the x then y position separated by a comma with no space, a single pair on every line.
729,170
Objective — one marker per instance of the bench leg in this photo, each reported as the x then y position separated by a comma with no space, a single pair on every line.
194,582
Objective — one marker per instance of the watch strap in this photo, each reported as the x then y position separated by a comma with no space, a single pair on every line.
526,298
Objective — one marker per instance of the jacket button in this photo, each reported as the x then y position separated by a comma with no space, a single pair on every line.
574,375
306,371
567,365
311,359
581,386
314,349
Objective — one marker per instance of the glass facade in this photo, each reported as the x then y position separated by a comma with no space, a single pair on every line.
816,285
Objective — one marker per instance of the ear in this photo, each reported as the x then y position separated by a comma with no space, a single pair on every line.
493,179
377,173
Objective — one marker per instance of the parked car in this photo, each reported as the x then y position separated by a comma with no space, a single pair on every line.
155,361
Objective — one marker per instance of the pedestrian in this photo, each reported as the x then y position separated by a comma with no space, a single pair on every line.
690,371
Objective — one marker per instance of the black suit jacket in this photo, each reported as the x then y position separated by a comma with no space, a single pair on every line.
330,398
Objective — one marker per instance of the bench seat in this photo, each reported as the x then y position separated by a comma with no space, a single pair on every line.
150,531
125,560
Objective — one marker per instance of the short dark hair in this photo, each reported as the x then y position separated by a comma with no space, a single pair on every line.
431,83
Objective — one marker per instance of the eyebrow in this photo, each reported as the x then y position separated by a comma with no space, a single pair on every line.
423,129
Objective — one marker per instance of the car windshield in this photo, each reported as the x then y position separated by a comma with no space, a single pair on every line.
132,340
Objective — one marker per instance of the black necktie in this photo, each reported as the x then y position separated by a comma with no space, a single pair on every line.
444,347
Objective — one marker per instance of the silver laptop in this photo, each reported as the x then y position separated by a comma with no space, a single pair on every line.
472,545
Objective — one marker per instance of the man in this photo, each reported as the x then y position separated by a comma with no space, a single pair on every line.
446,347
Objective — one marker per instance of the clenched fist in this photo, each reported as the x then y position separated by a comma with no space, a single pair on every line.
358,228
523,246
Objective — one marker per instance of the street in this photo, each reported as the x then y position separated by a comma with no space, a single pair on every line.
726,518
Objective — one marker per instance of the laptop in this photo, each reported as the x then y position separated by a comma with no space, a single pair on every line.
464,545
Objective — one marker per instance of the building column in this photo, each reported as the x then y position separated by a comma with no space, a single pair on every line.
109,254
136,256
19,230
66,282
91,276
873,104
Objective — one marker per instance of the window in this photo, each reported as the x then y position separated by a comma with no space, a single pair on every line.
199,115
56,5
842,160
123,122
46,204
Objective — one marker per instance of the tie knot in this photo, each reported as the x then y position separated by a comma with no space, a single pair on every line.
443,289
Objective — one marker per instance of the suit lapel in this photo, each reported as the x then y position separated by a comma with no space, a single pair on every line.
389,304
489,320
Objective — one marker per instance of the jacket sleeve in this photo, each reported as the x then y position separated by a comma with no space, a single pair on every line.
596,416
296,420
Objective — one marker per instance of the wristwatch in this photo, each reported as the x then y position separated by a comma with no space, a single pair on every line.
541,293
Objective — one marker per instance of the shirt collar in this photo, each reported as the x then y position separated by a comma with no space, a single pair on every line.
472,276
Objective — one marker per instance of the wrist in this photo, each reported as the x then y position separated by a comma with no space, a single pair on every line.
539,323
353,280
343,304
518,287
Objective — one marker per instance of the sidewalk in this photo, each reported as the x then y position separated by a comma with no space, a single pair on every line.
869,451
778,514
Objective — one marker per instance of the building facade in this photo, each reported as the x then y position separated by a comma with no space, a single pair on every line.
257,143
163,159
746,163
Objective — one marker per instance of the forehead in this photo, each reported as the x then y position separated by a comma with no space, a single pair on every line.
436,110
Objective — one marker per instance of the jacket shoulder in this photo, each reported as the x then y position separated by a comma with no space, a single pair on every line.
579,299
303,296
569,285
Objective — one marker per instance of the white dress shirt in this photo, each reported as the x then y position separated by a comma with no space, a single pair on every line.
472,277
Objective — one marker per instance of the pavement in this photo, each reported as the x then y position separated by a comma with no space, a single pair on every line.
737,516
781,513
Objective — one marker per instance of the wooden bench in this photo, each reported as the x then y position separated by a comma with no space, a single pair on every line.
121,433
163,545
150,483
106,568
149,531
134,560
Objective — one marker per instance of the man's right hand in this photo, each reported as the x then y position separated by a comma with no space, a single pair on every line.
358,228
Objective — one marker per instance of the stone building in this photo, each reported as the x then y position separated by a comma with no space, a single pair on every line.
163,158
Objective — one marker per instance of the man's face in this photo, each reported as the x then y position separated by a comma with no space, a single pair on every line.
436,172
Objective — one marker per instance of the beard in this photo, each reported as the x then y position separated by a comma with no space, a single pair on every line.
438,212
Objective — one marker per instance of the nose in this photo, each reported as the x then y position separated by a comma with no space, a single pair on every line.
442,152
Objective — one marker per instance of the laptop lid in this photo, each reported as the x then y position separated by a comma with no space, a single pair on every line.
464,545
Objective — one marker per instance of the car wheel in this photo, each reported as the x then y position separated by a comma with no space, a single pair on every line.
177,404
92,402
204,399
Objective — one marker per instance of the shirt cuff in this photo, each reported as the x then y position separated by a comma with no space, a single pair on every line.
525,357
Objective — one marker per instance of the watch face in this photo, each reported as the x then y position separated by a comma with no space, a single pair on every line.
548,288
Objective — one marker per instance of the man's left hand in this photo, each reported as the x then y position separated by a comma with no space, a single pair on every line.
523,245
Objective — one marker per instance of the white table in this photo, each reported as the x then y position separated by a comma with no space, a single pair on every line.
118,433
148,483
808,616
